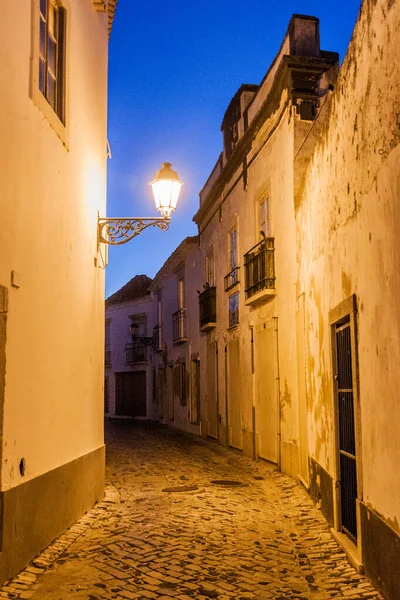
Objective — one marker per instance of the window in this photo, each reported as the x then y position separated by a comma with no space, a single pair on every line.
106,396
141,322
180,385
232,249
195,391
264,221
52,55
181,293
159,309
107,344
234,309
210,270
154,385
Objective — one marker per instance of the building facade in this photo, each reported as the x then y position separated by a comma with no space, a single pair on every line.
53,111
128,376
176,356
291,292
297,235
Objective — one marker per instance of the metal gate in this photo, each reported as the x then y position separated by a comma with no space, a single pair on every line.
347,443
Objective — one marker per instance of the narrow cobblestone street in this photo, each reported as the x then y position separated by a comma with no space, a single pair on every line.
166,531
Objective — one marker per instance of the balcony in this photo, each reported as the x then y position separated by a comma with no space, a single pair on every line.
208,309
158,342
179,326
231,279
259,267
107,358
135,353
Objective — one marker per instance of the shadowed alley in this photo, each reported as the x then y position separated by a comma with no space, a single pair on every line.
261,539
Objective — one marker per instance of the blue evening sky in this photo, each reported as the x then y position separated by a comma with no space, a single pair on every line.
173,69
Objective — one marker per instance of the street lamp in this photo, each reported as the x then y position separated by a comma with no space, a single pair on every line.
146,341
166,187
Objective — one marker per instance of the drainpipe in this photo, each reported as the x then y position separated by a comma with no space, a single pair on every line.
189,379
253,408
226,393
278,394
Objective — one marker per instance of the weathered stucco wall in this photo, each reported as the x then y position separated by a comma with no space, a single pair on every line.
347,236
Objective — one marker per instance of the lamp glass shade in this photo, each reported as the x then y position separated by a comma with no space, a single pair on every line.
166,187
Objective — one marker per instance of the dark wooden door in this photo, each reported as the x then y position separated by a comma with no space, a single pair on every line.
130,397
347,443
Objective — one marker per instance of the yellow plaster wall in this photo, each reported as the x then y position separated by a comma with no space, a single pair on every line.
347,235
51,192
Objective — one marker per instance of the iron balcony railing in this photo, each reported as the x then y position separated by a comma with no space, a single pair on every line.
208,306
158,338
259,267
231,279
135,353
179,325
107,358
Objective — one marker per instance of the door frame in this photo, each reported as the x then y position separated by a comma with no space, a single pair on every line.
347,311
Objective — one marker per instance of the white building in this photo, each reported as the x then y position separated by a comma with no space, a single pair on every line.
128,382
176,351
53,112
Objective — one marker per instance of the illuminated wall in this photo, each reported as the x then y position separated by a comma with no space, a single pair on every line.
53,186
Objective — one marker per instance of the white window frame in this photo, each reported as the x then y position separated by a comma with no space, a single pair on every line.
264,216
39,100
210,269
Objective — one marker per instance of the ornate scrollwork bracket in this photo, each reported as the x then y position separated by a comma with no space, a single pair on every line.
119,231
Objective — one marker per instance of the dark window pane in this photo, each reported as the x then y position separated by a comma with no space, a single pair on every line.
52,19
51,89
60,57
42,40
41,76
43,8
51,56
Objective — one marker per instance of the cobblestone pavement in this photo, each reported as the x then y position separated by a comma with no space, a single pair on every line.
201,540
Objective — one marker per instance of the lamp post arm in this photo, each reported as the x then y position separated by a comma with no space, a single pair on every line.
116,231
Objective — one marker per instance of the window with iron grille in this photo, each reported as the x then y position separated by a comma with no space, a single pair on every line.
195,391
180,382
106,396
154,385
234,309
52,55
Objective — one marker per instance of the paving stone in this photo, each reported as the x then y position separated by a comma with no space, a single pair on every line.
262,541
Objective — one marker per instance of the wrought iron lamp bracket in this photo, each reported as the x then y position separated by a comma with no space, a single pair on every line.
115,231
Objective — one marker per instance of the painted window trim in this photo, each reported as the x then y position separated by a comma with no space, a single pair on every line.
38,99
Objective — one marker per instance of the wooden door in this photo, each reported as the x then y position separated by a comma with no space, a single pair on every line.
212,403
234,393
266,391
130,394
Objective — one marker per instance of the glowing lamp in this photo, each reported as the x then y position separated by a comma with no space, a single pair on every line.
166,187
